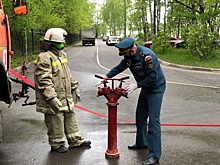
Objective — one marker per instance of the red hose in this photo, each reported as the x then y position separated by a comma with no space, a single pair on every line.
119,119
162,124
190,124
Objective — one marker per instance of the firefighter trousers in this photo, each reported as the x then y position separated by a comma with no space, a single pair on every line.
61,126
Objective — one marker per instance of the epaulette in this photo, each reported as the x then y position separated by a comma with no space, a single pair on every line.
143,54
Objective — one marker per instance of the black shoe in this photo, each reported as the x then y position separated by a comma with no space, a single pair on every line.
61,149
86,143
135,147
151,161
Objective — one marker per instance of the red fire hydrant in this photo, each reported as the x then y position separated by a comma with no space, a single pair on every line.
112,95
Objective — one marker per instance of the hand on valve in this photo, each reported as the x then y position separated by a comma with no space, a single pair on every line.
101,81
130,88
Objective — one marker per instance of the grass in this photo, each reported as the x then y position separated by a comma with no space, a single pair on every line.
17,59
180,56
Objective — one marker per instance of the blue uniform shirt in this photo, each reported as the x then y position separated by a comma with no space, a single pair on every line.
145,68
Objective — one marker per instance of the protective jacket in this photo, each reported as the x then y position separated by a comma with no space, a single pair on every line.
53,79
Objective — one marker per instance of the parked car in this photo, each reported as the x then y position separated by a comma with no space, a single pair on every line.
135,37
174,41
112,40
105,38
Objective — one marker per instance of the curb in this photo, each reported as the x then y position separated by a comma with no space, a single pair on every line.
188,67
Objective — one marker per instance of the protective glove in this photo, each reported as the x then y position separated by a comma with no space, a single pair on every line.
130,88
55,104
76,95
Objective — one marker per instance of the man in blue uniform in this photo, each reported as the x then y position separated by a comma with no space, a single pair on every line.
145,67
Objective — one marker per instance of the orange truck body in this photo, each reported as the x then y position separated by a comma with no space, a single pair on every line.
6,95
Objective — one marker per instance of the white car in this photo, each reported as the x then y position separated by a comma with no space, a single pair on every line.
112,40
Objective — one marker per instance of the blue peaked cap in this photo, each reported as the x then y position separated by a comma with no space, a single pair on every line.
125,46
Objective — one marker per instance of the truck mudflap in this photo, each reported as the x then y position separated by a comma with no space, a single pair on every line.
5,85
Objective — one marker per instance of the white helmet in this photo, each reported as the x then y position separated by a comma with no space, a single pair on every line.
55,35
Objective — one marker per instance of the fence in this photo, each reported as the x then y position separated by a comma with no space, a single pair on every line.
29,42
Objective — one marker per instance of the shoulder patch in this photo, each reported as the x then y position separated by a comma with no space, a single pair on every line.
149,62
147,58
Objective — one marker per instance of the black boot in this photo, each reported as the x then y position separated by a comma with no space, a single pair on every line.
136,147
86,143
60,149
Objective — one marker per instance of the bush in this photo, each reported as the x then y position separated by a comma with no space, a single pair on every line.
201,42
141,36
160,43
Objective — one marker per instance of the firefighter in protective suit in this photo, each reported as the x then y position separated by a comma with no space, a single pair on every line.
56,93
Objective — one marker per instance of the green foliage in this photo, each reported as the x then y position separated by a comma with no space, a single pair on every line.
161,43
17,59
140,35
44,14
201,41
112,14
139,42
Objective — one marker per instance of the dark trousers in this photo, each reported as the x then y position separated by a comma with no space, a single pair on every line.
149,107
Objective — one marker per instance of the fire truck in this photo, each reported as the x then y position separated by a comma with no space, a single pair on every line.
6,94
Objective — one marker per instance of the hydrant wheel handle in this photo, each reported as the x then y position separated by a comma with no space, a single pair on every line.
98,76
124,78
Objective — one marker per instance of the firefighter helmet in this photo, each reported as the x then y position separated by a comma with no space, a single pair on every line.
55,35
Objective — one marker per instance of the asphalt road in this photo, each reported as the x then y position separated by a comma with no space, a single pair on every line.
191,98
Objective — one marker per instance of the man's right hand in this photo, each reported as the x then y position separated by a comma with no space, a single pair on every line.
55,104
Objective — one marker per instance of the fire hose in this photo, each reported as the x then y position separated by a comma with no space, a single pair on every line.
31,84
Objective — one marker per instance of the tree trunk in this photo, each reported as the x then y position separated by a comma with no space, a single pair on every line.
158,15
